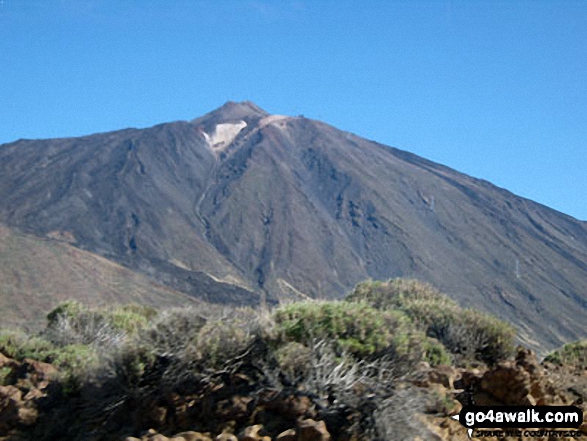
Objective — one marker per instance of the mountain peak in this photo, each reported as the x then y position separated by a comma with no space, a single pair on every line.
244,106
232,112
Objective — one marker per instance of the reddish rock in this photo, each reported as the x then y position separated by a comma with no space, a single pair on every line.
310,430
37,371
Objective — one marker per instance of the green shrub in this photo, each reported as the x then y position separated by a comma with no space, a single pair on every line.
173,332
572,354
70,309
74,358
146,311
125,367
219,341
72,323
18,345
72,361
434,352
396,293
126,320
358,329
4,375
354,327
294,359
463,332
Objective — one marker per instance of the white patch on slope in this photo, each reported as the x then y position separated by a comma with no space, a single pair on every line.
223,135
272,119
283,283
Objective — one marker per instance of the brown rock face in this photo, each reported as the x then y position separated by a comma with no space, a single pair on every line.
18,401
519,382
10,400
310,430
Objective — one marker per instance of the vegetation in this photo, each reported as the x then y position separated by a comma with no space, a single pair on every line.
18,345
358,329
350,352
572,354
465,333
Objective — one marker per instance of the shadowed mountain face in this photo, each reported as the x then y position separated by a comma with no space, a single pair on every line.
238,205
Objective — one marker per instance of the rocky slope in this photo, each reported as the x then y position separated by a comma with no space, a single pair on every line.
36,274
287,207
29,398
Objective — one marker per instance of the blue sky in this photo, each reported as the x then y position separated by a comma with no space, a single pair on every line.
495,89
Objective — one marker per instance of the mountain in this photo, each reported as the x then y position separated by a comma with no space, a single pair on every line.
239,206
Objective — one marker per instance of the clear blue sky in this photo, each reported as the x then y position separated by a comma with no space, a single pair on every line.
495,89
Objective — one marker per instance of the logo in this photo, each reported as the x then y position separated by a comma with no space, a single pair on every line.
501,420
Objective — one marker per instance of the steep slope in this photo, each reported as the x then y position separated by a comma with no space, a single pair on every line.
275,206
36,274
130,196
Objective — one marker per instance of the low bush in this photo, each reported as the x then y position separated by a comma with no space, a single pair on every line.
18,345
128,321
70,309
72,323
4,375
220,341
294,359
74,358
396,418
354,327
572,354
73,361
466,333
395,293
358,329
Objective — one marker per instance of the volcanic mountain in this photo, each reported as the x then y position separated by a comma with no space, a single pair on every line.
240,206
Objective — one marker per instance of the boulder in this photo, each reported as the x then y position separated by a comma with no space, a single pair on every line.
251,433
310,430
444,375
288,435
36,371
226,436
523,382
193,436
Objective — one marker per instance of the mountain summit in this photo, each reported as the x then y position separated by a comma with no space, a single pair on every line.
233,112
239,205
